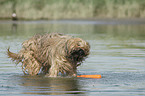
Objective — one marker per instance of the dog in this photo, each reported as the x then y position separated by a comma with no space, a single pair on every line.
53,54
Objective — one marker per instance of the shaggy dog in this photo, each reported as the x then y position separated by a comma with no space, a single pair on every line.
53,54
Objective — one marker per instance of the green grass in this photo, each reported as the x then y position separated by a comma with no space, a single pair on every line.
72,9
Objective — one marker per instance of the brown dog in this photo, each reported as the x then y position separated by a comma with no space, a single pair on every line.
54,54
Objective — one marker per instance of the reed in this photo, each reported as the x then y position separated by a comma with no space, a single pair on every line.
72,9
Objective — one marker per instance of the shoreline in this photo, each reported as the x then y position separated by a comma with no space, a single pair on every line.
79,21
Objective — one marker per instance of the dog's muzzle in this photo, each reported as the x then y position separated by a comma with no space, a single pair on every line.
77,55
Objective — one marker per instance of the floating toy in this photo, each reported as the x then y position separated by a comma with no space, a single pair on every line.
90,76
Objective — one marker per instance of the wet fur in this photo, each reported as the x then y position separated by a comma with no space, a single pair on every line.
53,54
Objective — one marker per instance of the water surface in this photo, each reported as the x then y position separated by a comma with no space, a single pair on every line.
117,53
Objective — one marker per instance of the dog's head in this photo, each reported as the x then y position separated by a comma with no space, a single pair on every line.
77,50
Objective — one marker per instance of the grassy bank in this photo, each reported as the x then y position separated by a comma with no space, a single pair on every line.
72,9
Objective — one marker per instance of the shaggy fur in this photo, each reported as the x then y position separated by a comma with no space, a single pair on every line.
54,54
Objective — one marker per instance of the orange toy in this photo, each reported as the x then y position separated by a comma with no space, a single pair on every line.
90,76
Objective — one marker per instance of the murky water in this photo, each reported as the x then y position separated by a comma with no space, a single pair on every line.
117,53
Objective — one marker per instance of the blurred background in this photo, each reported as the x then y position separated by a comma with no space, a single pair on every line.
72,9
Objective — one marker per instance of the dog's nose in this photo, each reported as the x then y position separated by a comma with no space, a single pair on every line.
81,52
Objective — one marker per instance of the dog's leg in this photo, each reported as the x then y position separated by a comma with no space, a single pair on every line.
54,69
59,65
30,65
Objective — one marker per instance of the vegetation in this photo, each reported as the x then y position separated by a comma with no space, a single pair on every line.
72,9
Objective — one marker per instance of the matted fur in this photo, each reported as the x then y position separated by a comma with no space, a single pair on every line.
53,54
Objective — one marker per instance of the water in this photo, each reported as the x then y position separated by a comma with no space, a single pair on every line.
117,53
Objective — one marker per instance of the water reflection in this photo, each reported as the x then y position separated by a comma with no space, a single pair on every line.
87,31
50,86
14,27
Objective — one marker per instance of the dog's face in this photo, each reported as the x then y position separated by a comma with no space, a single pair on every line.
77,50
